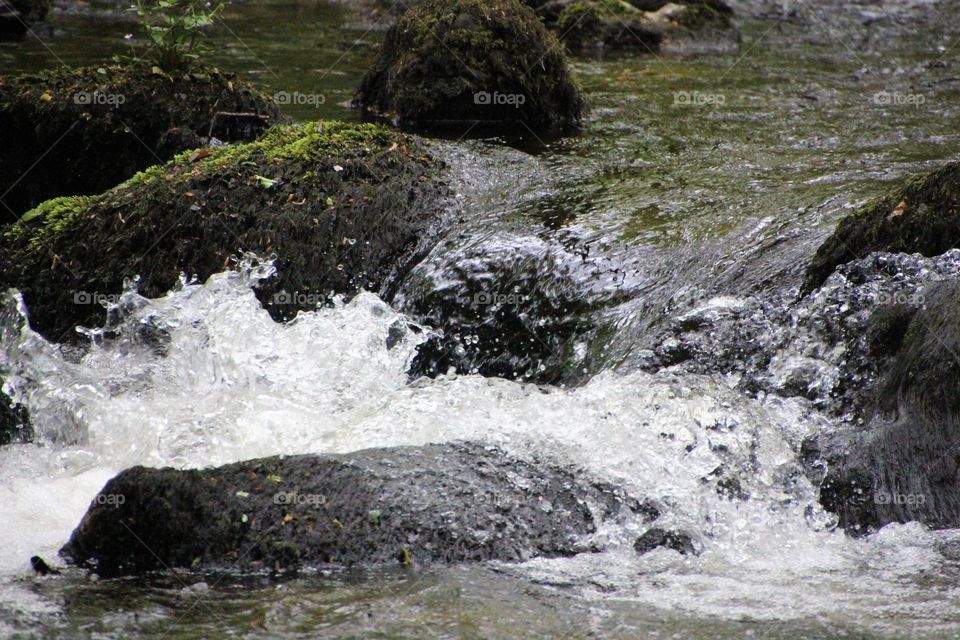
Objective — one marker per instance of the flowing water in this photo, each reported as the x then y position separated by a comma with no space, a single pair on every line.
657,209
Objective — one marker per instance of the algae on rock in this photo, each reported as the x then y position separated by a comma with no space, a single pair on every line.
339,205
76,132
493,61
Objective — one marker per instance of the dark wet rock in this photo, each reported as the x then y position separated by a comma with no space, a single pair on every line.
340,206
515,310
830,347
656,538
436,503
14,422
919,217
17,16
41,567
905,464
458,63
79,132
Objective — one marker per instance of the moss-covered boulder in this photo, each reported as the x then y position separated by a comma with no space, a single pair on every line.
613,24
642,25
466,61
339,205
77,132
921,216
16,16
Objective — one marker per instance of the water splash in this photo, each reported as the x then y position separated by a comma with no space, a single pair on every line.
203,376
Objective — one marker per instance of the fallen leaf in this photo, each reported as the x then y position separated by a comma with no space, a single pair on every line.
199,154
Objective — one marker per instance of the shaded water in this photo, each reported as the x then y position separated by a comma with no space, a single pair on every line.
652,196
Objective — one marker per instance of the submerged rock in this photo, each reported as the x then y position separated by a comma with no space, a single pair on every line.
16,16
656,537
919,217
435,503
340,206
467,61
503,311
78,132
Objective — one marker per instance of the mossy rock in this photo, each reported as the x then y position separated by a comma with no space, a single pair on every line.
339,205
16,16
77,132
612,24
468,61
921,216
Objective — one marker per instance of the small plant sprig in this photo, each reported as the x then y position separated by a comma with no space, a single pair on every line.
175,30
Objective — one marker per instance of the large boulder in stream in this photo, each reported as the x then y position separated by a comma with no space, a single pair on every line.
900,460
435,503
905,463
921,216
457,63
82,131
340,206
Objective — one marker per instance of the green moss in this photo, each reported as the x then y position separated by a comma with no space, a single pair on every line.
921,216
441,55
697,16
611,23
300,193
85,113
48,220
